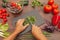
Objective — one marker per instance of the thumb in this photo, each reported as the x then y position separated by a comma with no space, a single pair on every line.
26,26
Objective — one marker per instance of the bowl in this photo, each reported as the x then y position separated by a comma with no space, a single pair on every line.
13,10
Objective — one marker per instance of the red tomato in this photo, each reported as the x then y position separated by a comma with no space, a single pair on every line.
59,17
19,7
4,17
4,14
47,8
58,26
0,12
55,11
13,4
3,10
1,16
7,15
50,2
3,23
54,6
5,20
55,20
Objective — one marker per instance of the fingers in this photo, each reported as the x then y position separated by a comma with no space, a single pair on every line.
34,26
21,21
26,26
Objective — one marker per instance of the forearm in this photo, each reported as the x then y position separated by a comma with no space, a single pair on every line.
12,36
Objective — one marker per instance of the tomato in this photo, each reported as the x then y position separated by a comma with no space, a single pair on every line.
47,8
50,2
54,6
0,12
55,20
19,7
4,17
7,15
13,4
5,20
55,11
4,14
1,16
3,10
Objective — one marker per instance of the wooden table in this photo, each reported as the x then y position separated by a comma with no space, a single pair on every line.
54,36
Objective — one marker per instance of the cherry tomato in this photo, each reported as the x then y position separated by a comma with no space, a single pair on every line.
4,17
50,2
1,16
7,15
54,6
3,10
13,4
0,12
47,8
5,20
19,7
55,11
55,20
4,14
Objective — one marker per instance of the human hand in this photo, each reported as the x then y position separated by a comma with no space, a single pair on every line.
36,30
19,25
37,33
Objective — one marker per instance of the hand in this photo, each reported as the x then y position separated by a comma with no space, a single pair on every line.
37,33
36,30
19,25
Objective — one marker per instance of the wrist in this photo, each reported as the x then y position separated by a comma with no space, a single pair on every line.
16,32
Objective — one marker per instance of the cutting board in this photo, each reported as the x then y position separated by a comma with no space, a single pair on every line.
39,20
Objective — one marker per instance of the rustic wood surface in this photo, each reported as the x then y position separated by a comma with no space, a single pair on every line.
54,36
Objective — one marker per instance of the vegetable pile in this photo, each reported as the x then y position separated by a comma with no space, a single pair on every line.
3,15
14,7
3,30
53,7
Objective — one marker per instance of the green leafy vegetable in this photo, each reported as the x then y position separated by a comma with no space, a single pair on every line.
4,1
31,19
36,3
6,34
4,27
3,5
24,2
46,34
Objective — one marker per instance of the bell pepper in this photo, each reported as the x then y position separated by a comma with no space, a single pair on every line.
55,20
58,26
